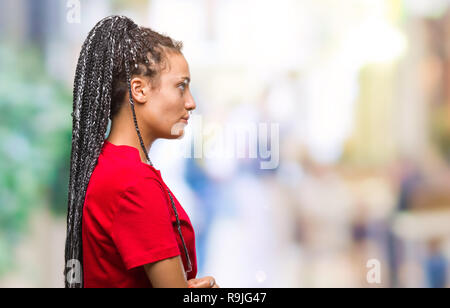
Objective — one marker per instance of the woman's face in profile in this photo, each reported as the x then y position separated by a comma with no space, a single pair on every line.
168,104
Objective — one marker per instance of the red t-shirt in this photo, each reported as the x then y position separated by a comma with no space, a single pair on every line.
128,221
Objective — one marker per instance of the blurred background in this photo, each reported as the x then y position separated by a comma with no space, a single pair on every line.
356,92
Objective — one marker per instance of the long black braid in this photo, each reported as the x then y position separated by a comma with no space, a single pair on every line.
115,50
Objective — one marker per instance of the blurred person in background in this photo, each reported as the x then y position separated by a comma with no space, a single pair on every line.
120,223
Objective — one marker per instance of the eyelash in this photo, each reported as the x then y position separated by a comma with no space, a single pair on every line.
184,87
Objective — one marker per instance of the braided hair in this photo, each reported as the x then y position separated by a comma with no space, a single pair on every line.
115,50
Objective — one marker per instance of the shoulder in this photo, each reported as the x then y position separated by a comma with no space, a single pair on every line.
143,181
124,175
138,177
143,196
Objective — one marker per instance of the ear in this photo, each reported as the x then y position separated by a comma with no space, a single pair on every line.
140,89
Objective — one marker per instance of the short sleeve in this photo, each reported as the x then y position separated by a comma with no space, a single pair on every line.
142,228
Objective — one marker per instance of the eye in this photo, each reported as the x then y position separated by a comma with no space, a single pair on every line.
183,86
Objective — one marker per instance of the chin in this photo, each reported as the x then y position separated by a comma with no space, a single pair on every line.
175,136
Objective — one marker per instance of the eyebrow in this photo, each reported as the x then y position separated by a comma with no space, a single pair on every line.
186,78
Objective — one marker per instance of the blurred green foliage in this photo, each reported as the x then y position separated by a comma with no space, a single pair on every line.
35,136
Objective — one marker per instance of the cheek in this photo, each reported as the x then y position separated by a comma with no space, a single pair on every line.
173,107
166,113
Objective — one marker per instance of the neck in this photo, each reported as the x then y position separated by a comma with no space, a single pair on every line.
123,132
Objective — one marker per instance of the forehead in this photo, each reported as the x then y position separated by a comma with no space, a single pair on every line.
176,68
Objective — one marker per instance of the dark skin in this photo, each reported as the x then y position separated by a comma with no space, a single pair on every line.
161,112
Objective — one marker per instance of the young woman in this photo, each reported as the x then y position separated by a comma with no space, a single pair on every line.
125,228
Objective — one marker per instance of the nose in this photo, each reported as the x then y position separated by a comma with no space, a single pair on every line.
190,103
